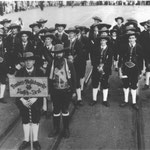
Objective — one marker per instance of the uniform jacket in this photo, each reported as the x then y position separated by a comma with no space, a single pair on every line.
85,46
47,53
28,48
137,56
11,43
76,50
107,58
120,30
38,45
62,40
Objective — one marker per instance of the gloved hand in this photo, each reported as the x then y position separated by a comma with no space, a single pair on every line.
32,100
25,102
18,66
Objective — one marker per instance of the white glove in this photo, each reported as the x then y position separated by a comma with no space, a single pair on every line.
45,64
25,102
70,58
73,95
32,100
18,66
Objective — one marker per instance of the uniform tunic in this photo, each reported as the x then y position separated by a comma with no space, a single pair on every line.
62,85
36,107
134,55
101,57
76,50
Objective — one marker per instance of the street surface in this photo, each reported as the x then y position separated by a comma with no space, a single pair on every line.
98,127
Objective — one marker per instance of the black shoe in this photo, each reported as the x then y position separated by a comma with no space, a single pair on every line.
79,103
54,133
66,133
135,106
106,103
123,104
36,145
92,103
24,145
2,101
146,87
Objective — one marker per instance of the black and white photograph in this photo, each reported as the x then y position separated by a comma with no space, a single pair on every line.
75,75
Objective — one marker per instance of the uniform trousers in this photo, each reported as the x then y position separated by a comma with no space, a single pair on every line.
132,77
61,100
80,71
96,78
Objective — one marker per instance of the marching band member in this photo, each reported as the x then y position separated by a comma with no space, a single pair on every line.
37,43
75,55
11,43
24,103
114,40
49,40
23,46
61,36
93,34
101,68
62,78
130,66
82,37
120,27
47,56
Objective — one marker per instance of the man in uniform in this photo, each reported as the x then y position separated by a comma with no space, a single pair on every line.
114,40
61,36
25,45
76,55
130,66
120,27
34,104
62,86
82,37
12,41
102,63
47,57
37,43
